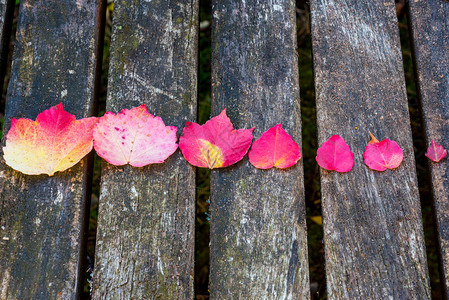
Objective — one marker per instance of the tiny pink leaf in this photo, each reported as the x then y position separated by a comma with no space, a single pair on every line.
134,137
383,155
274,148
335,154
436,152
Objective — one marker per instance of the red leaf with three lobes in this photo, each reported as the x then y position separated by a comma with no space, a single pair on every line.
134,137
54,142
436,152
274,148
382,155
335,155
215,144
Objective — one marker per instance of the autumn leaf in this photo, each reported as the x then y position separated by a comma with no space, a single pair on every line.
54,142
215,144
436,152
134,137
317,219
335,155
382,155
274,148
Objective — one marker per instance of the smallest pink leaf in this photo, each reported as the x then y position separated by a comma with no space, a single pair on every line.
436,152
274,148
335,155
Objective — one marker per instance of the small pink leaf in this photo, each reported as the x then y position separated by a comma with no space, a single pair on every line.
274,148
383,155
335,154
134,137
215,144
436,152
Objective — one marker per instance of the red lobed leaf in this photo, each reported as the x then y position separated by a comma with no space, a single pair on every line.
382,155
134,137
436,152
274,148
54,142
336,155
215,144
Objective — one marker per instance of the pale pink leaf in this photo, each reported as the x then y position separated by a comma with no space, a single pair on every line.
134,137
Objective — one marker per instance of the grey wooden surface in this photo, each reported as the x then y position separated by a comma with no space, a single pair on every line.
145,237
43,218
429,22
374,243
6,16
258,228
145,246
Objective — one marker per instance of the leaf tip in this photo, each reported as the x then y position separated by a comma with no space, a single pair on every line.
373,139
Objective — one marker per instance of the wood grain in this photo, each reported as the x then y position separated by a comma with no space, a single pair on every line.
43,218
429,22
374,243
145,238
6,16
258,228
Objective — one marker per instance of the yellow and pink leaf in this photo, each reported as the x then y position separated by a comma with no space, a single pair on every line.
54,142
215,144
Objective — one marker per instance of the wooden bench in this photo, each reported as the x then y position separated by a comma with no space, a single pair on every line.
374,242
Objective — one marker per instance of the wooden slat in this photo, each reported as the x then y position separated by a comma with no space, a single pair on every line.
374,244
43,218
258,228
6,16
430,30
145,238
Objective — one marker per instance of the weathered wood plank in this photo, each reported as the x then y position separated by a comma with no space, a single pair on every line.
145,238
258,228
373,235
430,30
43,218
6,16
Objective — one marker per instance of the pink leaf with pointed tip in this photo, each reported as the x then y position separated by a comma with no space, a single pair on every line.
436,152
274,148
215,144
134,137
335,155
54,142
382,155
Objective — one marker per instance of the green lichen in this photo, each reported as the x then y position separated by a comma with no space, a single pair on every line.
125,44
242,185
